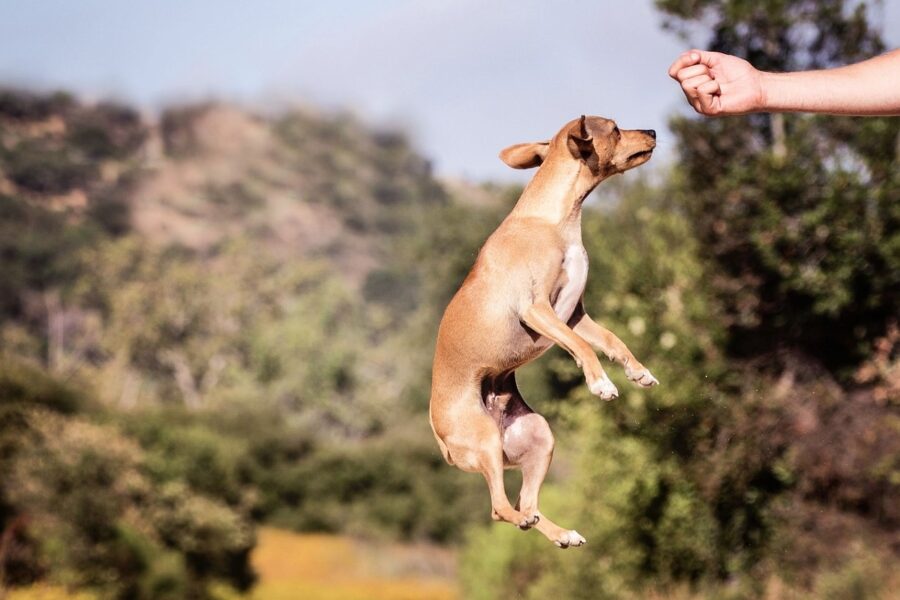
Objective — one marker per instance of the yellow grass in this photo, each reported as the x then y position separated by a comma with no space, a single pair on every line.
324,567
46,592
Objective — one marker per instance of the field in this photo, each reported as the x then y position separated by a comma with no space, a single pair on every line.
327,567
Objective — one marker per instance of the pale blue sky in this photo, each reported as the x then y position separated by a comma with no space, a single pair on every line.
464,77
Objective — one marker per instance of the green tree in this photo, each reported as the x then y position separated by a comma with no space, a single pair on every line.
800,216
800,213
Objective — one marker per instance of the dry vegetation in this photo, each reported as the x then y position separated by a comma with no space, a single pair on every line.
325,567
222,322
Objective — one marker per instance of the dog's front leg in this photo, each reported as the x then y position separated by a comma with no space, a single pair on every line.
606,342
542,319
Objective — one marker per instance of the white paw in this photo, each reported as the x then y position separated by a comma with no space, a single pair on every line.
570,538
642,377
604,388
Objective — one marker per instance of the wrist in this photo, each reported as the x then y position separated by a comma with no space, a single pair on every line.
768,84
786,92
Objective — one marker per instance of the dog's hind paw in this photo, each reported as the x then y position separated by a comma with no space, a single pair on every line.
522,521
604,388
570,538
641,376
529,522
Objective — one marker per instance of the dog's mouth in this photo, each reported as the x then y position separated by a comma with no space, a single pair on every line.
640,155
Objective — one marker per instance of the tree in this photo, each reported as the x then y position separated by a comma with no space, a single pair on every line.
800,214
757,279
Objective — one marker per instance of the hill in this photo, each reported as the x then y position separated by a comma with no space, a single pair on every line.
234,303
218,320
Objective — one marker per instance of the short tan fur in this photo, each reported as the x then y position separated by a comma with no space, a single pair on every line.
524,294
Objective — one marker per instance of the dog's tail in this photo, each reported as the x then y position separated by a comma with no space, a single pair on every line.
444,450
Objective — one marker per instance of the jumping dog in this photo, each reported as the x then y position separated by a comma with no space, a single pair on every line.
524,294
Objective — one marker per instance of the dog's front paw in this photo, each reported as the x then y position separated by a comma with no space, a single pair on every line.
604,388
641,376
570,538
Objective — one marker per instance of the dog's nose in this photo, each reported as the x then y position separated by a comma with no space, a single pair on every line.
651,133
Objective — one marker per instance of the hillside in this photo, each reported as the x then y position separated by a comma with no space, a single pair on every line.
218,321
213,298
302,184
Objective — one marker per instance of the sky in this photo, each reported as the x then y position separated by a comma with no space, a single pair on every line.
465,78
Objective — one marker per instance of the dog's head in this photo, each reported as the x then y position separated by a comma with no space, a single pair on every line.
597,142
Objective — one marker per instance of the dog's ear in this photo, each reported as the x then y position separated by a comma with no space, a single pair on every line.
525,156
579,141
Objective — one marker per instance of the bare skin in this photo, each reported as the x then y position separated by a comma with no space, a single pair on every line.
523,295
720,84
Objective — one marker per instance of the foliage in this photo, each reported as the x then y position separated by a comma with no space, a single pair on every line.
22,105
759,281
796,211
40,251
775,35
161,395
373,178
96,517
39,166
215,385
107,131
799,216
23,390
636,503
67,169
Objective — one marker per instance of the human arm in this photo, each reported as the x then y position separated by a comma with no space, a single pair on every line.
721,84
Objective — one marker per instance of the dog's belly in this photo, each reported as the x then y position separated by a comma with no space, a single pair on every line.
575,267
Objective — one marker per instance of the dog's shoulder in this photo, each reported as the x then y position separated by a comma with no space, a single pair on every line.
531,232
523,250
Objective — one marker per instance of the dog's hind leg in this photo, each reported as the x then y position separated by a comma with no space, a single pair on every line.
492,468
471,438
528,443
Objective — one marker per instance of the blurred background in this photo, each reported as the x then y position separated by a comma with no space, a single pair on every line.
228,232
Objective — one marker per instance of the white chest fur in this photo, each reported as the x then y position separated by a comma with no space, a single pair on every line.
575,266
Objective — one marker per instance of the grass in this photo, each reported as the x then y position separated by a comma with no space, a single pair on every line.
325,567
46,592
328,567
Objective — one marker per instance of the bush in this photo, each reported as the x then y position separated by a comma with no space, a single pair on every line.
102,523
106,131
29,106
44,167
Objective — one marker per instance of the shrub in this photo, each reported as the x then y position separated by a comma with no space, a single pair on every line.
40,166
102,523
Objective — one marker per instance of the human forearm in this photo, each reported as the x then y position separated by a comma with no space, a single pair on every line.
871,87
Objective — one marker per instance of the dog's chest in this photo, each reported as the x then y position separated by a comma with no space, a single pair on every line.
575,271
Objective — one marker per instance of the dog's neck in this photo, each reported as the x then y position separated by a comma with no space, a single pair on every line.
556,192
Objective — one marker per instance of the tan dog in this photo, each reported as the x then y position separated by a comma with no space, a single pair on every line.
523,295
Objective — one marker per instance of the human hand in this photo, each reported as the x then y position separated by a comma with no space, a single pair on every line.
719,84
